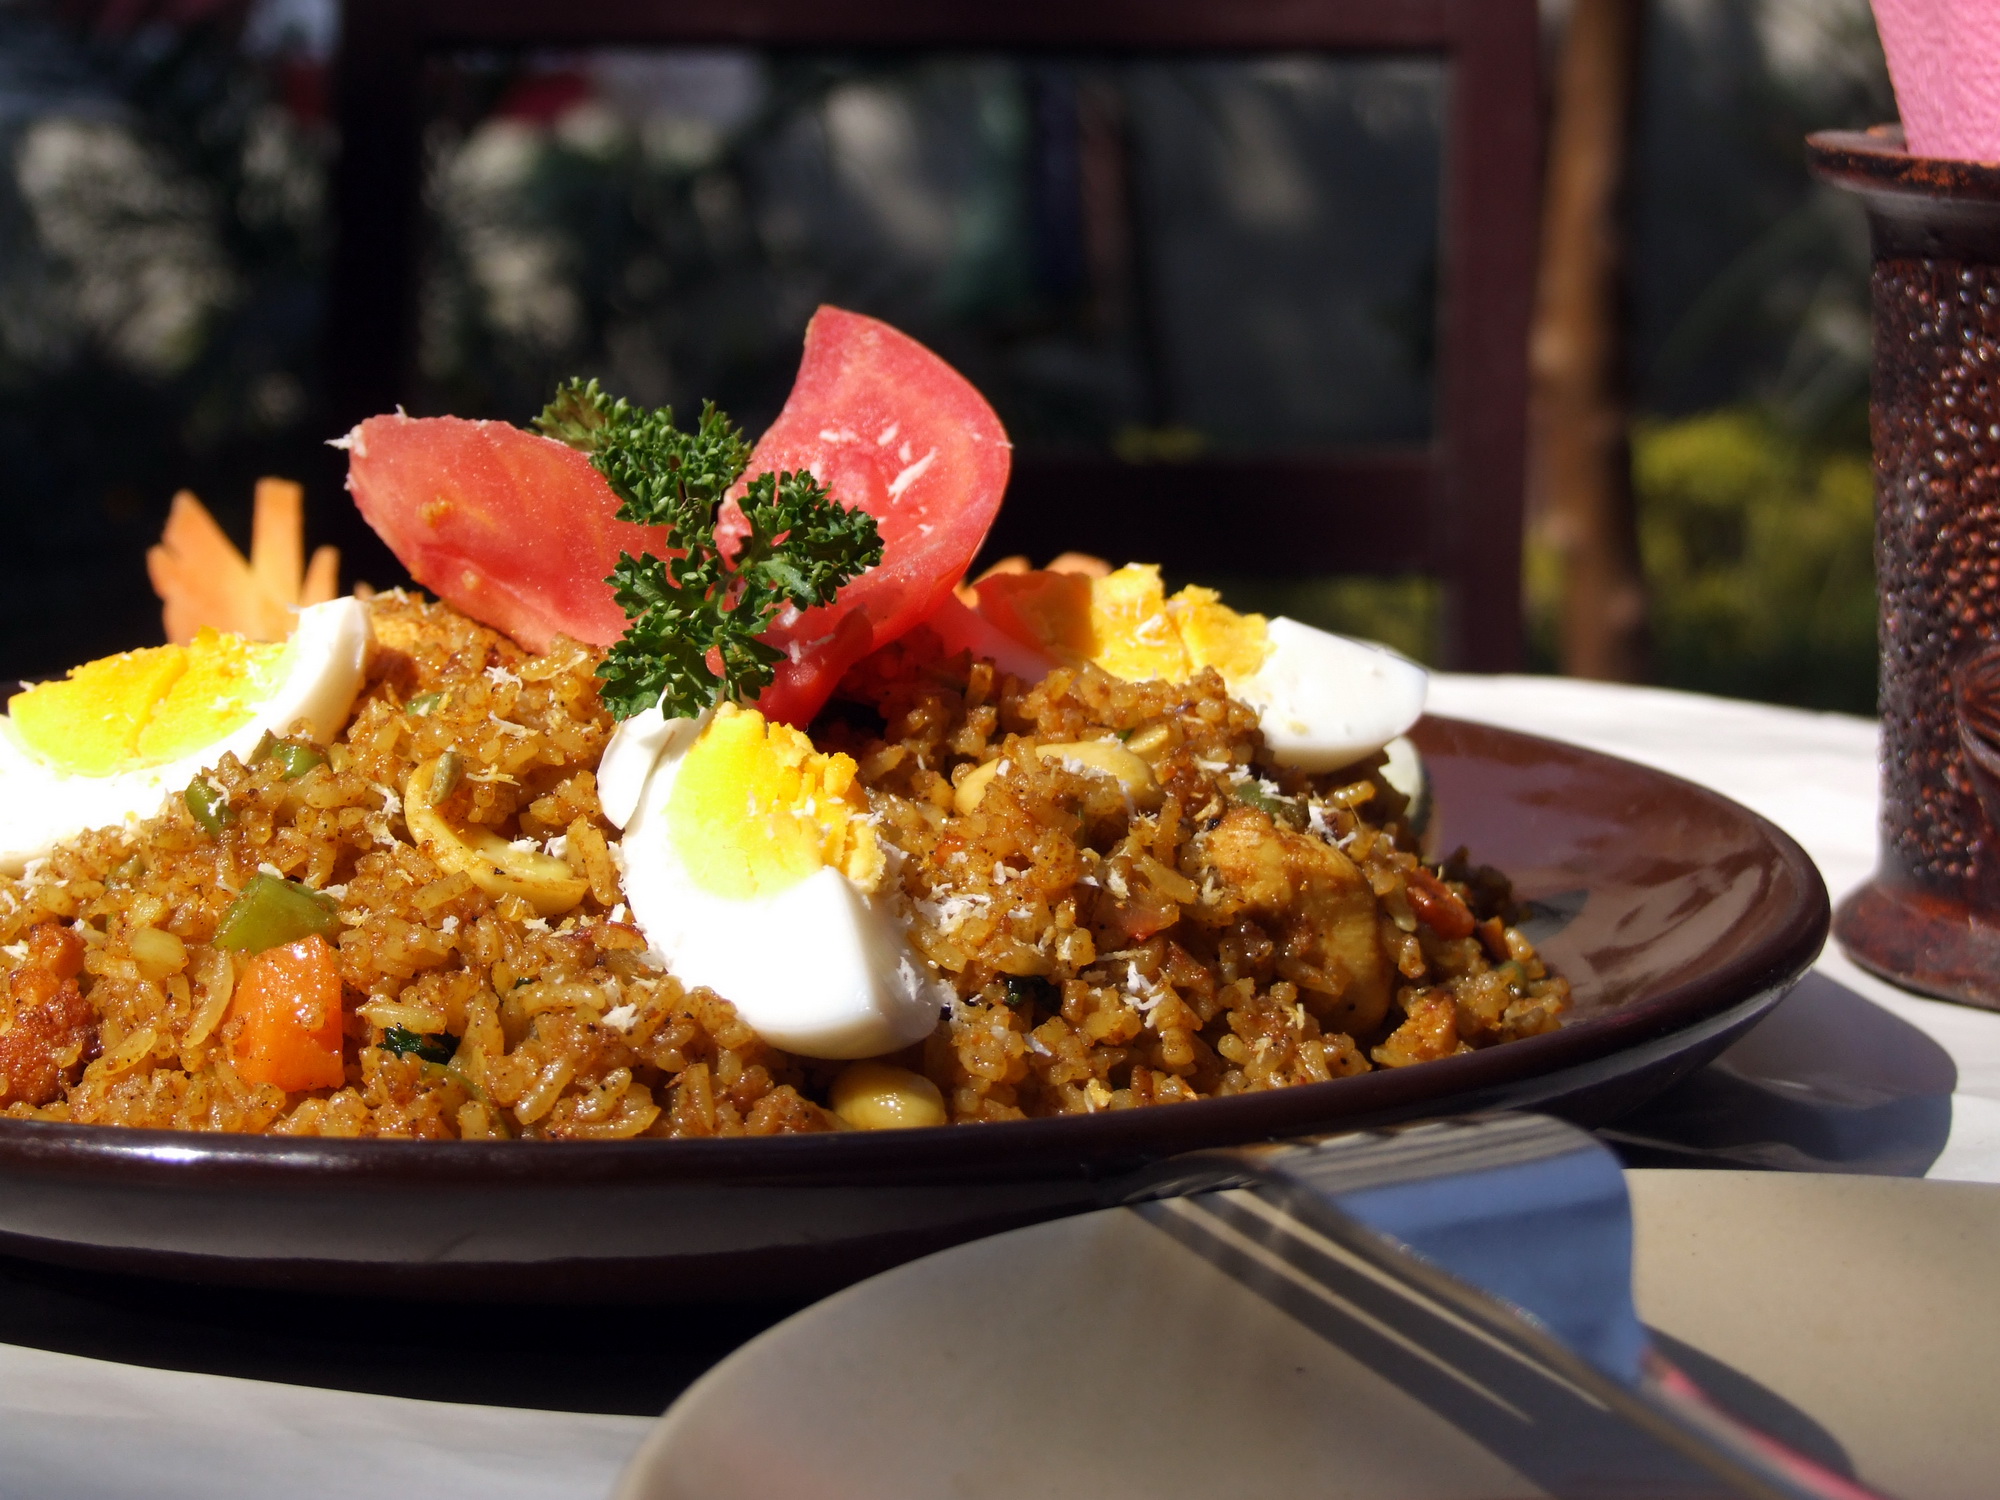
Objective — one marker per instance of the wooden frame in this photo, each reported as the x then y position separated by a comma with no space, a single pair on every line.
1451,508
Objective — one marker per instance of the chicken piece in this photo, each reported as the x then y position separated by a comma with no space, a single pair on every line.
1429,1032
52,1028
1316,903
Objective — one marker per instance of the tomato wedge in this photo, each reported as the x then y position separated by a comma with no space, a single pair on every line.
519,531
511,528
890,428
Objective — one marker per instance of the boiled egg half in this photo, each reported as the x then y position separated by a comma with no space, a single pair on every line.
752,867
1323,700
109,742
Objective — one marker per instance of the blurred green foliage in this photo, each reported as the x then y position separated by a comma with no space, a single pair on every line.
162,245
1759,551
1758,545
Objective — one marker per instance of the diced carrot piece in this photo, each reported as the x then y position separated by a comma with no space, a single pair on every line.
55,955
288,1002
1437,905
56,948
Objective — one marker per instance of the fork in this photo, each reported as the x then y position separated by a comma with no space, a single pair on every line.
1483,1263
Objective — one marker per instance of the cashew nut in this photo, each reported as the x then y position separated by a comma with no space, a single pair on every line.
1107,756
493,864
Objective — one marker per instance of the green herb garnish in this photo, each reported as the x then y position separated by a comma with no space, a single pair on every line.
431,1049
701,610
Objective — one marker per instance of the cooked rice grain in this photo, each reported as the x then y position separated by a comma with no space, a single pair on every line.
1257,929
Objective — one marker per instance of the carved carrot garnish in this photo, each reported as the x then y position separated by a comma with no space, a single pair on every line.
203,580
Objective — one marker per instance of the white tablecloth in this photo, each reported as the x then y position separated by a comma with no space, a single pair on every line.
1849,1074
84,1429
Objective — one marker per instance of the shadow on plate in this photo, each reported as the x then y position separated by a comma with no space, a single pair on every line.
1828,1082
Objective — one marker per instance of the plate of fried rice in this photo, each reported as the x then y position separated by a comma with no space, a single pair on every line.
1677,917
842,911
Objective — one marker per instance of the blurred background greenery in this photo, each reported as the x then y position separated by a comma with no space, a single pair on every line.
1758,544
667,223
162,247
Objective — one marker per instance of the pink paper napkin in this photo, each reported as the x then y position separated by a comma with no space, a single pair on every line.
1944,60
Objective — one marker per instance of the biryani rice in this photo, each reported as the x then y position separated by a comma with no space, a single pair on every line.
1243,928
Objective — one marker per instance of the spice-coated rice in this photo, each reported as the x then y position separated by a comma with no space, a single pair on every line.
1244,928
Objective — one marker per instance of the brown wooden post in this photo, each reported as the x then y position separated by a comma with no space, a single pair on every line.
1488,263
1581,410
1450,507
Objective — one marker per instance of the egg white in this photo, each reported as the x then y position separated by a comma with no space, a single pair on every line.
1325,701
1404,770
821,969
635,747
41,804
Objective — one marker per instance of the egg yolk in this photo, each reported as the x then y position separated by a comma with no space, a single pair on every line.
1126,623
755,809
147,707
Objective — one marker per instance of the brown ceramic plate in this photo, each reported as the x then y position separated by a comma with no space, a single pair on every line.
1679,917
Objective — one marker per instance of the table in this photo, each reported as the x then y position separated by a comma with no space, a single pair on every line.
1849,1074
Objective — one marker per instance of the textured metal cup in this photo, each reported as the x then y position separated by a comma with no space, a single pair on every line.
1975,698
1930,916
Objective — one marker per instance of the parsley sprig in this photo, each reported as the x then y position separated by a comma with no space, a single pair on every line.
699,608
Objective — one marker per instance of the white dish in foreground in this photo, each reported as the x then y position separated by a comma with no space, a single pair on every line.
1853,1317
